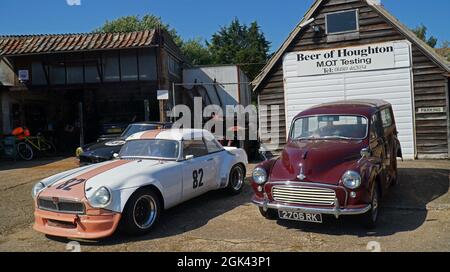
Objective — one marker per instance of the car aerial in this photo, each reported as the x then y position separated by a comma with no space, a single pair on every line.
154,171
105,148
340,159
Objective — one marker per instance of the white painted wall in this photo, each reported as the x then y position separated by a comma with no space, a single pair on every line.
393,85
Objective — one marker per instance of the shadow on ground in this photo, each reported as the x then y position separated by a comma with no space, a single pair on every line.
404,207
186,217
10,164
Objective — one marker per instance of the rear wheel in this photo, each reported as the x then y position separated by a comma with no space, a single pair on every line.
141,212
236,179
25,151
270,214
370,218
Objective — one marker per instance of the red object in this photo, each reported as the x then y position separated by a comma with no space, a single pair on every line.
21,132
319,165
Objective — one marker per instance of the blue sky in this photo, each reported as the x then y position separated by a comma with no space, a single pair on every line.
197,18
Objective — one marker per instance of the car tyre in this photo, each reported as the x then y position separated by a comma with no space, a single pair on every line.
394,180
236,180
270,214
371,217
141,212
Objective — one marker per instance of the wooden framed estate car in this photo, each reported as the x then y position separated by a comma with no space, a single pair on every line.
340,159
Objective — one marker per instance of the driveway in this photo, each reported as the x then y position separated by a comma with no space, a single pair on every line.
415,217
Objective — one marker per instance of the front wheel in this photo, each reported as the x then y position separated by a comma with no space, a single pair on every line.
236,180
25,151
141,212
270,214
370,218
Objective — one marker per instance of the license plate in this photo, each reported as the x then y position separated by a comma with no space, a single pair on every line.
299,216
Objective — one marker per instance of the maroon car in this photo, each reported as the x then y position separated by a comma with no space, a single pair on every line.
339,160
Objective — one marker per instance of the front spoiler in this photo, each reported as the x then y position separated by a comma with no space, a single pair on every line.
336,210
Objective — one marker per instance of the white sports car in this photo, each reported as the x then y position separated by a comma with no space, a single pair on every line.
154,171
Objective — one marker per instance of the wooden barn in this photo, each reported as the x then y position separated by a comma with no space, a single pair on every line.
113,77
355,49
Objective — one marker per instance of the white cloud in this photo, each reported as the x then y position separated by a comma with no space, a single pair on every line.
73,2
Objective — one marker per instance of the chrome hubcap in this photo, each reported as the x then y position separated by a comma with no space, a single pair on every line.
237,178
144,212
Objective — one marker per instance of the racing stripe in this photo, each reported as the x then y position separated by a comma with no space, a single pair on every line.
74,188
152,134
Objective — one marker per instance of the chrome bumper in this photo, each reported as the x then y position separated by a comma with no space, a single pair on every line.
336,210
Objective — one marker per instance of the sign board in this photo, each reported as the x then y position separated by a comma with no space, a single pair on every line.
163,95
23,75
431,110
349,59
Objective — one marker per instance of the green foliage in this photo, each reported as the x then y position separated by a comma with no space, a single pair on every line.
196,52
137,23
421,33
236,43
240,44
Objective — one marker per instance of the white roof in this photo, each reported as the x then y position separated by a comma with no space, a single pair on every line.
172,134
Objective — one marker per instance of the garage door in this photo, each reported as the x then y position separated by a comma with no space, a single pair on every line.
393,85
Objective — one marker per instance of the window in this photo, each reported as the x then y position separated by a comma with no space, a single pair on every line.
151,149
342,22
111,66
128,65
386,117
213,146
38,73
330,127
147,64
174,66
375,128
196,148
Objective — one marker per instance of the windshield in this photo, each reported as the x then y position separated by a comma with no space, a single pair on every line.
150,149
132,129
330,127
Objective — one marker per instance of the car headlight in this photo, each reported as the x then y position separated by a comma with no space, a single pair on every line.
37,188
259,175
351,180
101,198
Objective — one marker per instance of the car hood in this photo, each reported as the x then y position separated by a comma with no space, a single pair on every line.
105,149
116,175
321,161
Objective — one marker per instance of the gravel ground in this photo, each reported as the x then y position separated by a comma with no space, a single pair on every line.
415,217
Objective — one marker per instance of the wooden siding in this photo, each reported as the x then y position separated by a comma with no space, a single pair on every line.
429,79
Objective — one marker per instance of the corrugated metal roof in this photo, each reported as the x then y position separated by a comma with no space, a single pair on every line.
38,44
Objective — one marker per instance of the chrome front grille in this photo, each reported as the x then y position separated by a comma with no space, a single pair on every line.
63,206
304,195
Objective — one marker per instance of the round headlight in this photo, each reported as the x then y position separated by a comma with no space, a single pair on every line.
101,198
351,180
259,175
37,188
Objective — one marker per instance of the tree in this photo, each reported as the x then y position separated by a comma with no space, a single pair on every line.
240,44
444,50
137,23
421,33
196,52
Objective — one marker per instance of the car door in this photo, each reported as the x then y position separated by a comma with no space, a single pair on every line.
389,130
198,169
216,153
377,145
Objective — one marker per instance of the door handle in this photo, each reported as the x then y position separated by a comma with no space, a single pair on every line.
211,159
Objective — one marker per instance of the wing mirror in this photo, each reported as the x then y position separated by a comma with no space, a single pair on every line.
366,152
189,157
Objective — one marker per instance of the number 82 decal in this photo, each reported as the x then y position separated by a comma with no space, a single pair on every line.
197,175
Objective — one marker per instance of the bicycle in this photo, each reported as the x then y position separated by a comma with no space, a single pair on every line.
27,145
